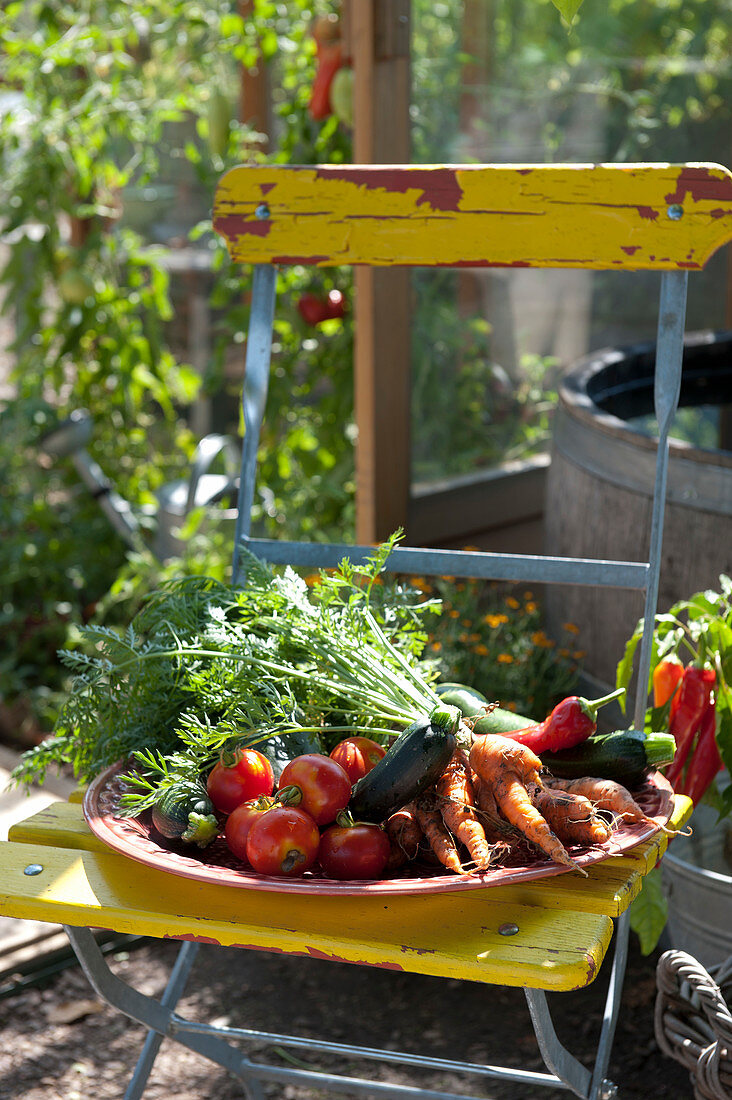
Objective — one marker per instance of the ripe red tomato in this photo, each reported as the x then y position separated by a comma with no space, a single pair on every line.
357,756
283,841
237,777
322,787
240,821
357,851
312,309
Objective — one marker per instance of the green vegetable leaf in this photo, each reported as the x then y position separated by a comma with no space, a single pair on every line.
568,9
624,671
649,911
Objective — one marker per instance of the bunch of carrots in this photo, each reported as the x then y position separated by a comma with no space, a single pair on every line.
495,804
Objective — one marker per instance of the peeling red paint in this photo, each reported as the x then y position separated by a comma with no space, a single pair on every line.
265,188
701,185
315,259
648,212
439,186
232,226
630,249
719,212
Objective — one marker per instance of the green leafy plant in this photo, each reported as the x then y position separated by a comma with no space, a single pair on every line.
699,631
110,96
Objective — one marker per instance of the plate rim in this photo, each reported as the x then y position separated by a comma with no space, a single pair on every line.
136,842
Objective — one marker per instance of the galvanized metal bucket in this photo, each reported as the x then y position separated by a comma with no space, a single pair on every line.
696,874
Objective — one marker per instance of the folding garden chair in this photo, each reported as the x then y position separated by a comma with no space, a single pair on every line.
546,935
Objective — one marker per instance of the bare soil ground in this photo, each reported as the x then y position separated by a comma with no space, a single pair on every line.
59,1043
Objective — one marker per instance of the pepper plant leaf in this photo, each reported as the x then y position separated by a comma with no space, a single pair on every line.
649,911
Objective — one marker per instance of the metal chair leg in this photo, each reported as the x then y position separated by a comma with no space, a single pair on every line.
171,996
595,1085
154,1015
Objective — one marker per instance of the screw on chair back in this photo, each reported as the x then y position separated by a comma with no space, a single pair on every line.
663,217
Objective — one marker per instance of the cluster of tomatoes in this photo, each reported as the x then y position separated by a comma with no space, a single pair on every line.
304,822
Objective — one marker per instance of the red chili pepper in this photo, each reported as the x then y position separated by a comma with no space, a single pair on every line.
690,703
667,676
705,761
571,722
329,51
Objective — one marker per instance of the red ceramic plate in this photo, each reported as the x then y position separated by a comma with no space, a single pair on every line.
137,839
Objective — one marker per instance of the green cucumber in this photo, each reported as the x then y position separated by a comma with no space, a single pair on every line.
413,763
502,721
468,700
185,812
627,756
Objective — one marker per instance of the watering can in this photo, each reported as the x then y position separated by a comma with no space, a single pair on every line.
203,488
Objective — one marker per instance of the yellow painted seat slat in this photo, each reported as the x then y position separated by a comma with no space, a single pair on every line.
452,935
608,889
602,216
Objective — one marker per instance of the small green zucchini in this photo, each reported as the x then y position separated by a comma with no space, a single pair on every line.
414,762
627,756
185,812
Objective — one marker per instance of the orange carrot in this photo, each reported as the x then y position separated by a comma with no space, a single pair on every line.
492,755
571,816
435,830
457,801
405,834
607,795
515,804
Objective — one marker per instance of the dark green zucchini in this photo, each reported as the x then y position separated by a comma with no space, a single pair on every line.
627,756
185,812
413,763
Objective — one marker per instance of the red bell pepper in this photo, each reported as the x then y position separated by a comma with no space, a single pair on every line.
571,721
667,676
687,711
705,761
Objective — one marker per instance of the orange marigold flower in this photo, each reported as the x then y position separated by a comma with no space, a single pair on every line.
454,613
564,653
504,659
579,654
571,628
481,650
495,620
530,606
311,579
436,646
511,601
540,639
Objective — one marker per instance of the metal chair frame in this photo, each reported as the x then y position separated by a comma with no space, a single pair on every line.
210,1041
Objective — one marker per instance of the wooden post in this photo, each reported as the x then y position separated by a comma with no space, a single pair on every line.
376,33
254,98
